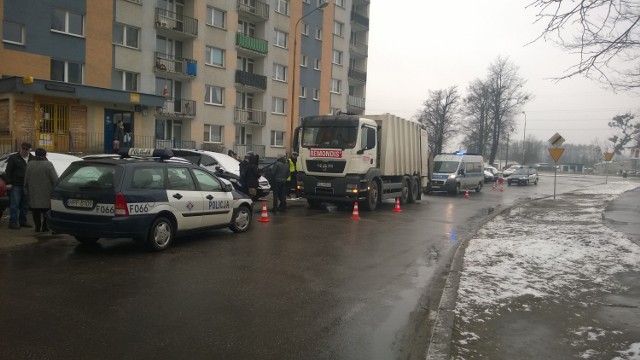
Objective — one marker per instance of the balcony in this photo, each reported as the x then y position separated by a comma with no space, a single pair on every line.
249,117
177,108
358,75
174,65
174,144
251,81
252,44
253,9
359,48
356,102
176,25
360,20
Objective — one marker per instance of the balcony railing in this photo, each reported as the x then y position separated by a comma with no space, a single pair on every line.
359,48
175,65
255,9
252,80
355,101
358,75
249,117
178,107
175,144
168,20
252,43
360,19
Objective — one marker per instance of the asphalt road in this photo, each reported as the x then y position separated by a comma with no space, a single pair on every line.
309,284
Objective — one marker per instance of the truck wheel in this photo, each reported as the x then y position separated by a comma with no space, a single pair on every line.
314,203
414,190
372,197
404,194
479,187
160,234
241,219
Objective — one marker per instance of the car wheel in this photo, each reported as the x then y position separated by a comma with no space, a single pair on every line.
160,234
535,182
372,197
241,219
87,239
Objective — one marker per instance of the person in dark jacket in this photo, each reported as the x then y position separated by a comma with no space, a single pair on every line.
251,176
280,175
38,185
18,199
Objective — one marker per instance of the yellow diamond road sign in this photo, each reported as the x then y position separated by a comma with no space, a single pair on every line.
608,156
556,153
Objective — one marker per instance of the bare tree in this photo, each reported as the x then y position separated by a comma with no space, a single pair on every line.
440,116
478,122
630,131
605,33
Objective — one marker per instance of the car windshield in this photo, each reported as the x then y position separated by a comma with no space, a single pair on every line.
329,137
521,172
445,166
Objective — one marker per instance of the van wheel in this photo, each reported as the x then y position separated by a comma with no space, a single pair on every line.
88,240
456,191
404,194
160,234
241,219
414,190
479,187
314,203
373,197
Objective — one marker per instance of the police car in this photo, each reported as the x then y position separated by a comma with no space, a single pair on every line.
145,196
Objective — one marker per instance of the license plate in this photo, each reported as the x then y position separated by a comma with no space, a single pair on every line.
79,203
324,184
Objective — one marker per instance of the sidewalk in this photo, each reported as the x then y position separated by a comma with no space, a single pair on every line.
549,279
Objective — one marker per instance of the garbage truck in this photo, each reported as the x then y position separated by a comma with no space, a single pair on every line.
361,158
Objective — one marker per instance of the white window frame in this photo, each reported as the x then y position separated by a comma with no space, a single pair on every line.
305,29
126,29
336,57
277,138
278,105
303,92
208,95
303,60
211,18
280,39
280,72
66,71
127,79
316,64
338,28
336,86
319,34
339,3
316,94
21,27
211,129
66,25
282,7
209,56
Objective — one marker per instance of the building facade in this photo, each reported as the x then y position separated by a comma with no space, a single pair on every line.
211,74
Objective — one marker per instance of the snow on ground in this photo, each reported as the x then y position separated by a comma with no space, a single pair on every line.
550,255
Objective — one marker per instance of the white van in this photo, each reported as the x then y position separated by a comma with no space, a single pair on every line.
457,172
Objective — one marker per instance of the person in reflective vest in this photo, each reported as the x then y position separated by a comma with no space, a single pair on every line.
292,180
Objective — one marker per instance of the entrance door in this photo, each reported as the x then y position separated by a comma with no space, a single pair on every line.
111,119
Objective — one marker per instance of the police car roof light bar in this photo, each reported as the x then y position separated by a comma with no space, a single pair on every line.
163,154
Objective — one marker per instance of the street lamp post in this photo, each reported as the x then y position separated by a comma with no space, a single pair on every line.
294,67
506,160
524,139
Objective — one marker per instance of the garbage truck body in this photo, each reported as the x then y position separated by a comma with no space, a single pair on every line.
368,159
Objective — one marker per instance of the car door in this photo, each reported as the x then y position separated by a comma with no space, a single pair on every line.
218,204
184,197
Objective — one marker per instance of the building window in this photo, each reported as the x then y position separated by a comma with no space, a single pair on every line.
306,1
67,22
338,28
305,29
213,133
279,72
303,92
214,95
340,3
303,60
316,64
13,33
216,18
125,35
66,71
281,39
278,105
337,57
277,138
316,94
336,86
125,80
319,34
214,56
282,7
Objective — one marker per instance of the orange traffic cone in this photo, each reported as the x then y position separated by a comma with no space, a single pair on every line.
466,194
355,215
397,208
264,217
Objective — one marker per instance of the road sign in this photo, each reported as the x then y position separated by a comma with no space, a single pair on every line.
556,153
608,156
556,140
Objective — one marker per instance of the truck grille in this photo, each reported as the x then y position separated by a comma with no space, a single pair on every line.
326,166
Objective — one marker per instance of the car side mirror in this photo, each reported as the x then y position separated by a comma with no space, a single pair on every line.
461,171
227,187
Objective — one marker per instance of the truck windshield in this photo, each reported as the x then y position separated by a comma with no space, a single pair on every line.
445,166
329,137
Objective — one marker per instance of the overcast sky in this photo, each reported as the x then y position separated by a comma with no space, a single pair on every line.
418,45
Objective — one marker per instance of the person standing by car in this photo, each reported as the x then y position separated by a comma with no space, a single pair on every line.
18,199
251,175
280,176
39,179
292,180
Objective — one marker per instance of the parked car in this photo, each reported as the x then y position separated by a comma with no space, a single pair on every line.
510,169
523,176
149,198
60,162
491,174
214,161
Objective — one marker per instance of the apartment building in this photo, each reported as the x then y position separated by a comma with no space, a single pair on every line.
210,74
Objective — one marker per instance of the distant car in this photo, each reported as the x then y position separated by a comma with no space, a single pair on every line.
508,170
523,176
491,174
60,162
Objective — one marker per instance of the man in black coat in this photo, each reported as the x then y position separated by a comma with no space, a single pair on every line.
18,199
